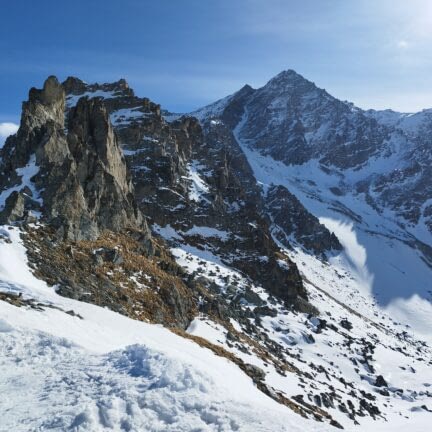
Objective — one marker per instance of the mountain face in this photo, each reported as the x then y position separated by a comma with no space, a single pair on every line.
294,121
367,171
279,228
382,156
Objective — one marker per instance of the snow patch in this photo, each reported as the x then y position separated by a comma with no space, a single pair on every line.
26,173
198,187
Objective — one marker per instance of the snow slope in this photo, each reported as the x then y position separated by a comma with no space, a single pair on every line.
107,372
377,250
345,363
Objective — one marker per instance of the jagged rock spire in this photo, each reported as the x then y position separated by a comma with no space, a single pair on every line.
80,182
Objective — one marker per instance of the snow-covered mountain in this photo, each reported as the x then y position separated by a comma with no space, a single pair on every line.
383,156
281,236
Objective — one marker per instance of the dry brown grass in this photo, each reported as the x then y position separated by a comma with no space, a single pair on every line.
141,287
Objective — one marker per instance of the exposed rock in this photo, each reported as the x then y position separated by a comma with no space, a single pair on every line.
380,381
256,373
252,297
124,280
346,324
292,218
14,208
81,175
265,311
109,255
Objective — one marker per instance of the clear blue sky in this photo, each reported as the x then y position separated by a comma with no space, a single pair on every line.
185,54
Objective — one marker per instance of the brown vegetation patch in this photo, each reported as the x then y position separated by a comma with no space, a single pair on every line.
148,288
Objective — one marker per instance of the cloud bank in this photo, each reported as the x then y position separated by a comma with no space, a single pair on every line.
6,129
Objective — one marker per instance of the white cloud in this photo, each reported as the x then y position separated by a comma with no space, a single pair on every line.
6,129
402,44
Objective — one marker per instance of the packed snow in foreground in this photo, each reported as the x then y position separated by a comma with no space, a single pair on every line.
107,372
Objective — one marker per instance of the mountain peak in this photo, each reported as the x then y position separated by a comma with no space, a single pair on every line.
289,81
288,76
75,86
288,73
245,88
77,177
51,92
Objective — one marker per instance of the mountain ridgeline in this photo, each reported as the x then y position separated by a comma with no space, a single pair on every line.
383,155
75,176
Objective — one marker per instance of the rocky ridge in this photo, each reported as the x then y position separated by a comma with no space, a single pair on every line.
190,178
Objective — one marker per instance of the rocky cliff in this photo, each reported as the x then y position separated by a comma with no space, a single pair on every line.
89,160
70,173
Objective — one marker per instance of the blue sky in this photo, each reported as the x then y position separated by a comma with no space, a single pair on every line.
185,54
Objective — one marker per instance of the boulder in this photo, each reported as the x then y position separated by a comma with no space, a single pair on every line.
380,381
14,208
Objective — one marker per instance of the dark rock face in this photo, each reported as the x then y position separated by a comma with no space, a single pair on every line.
287,213
239,209
294,121
79,175
14,208
380,381
113,271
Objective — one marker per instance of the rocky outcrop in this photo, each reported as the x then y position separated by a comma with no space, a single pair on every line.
114,271
187,175
14,208
292,219
77,175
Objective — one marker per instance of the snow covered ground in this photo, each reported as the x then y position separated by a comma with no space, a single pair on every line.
108,372
332,287
104,371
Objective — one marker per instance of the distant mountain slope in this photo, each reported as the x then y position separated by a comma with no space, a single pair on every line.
384,157
367,169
